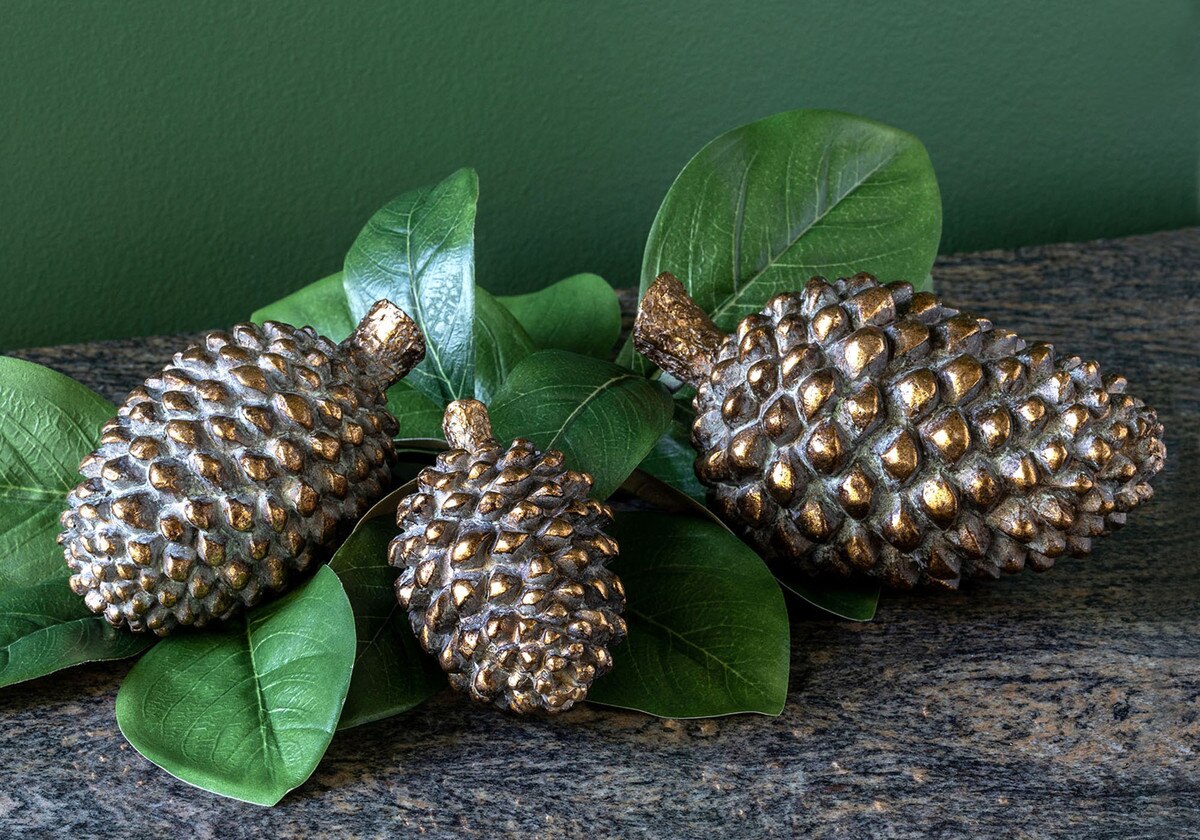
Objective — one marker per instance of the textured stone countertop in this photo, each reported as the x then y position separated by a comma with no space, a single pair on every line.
1065,704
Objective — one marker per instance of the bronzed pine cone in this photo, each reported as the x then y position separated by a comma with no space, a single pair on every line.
504,574
866,430
224,475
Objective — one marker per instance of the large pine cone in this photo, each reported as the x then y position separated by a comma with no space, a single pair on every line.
503,569
222,477
862,429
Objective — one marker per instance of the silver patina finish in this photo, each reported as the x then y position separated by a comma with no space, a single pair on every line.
862,429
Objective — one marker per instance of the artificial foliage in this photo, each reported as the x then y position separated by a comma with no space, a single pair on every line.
274,685
48,422
207,446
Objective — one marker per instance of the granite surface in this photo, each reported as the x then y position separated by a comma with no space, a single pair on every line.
1058,705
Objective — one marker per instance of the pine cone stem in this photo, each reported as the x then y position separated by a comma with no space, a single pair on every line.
467,426
674,333
390,339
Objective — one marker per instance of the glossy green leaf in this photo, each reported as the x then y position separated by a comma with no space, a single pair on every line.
391,672
419,452
580,314
321,305
673,459
708,627
248,709
48,423
416,415
764,207
855,600
419,253
46,627
604,418
501,343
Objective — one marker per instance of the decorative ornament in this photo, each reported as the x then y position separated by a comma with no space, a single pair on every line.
865,430
224,475
503,561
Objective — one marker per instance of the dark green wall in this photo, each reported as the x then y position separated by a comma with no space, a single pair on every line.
172,166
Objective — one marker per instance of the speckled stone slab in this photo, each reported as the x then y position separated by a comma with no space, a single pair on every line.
1058,705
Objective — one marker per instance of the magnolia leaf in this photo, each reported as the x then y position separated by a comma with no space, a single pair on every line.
321,305
580,314
48,423
46,627
855,600
501,343
246,710
673,459
419,253
391,672
603,418
708,627
416,415
764,207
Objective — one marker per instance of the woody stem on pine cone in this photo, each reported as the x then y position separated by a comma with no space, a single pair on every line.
390,339
467,426
674,333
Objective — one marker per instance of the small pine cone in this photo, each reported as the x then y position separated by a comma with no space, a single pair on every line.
866,430
504,574
225,474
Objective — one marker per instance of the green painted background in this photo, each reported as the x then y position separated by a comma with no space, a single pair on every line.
172,166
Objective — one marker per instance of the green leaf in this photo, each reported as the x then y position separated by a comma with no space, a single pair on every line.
673,459
247,710
580,314
391,672
321,305
852,599
419,253
48,423
764,207
501,343
46,627
416,452
603,418
416,415
708,628
855,600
